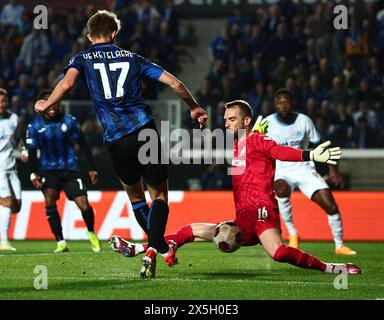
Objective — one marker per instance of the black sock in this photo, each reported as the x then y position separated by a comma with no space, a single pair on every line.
89,219
157,221
54,221
141,210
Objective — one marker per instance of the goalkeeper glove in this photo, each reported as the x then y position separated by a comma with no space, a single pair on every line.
261,125
322,153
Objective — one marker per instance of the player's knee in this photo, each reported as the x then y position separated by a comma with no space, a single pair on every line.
330,207
16,206
160,196
282,190
50,201
281,254
84,206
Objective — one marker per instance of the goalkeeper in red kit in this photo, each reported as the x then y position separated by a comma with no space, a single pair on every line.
257,214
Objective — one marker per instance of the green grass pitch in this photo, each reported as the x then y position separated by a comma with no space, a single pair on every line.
203,273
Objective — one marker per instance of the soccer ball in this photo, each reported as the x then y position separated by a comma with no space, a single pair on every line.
227,236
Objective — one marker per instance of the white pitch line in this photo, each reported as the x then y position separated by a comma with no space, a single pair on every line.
49,254
199,280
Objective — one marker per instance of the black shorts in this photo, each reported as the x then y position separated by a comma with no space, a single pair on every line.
71,182
125,158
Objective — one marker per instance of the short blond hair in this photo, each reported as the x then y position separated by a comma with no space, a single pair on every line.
103,23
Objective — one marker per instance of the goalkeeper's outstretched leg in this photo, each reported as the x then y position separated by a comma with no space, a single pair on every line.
270,239
188,233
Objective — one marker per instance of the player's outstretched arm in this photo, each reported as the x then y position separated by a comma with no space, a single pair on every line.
320,154
323,153
197,113
60,90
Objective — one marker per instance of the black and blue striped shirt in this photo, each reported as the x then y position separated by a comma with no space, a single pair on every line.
55,139
113,78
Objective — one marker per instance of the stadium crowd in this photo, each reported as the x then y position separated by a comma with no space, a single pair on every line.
33,59
336,75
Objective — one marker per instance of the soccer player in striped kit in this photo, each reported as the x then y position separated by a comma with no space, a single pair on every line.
113,76
55,134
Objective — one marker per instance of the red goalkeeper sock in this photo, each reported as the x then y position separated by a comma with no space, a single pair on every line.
181,236
298,258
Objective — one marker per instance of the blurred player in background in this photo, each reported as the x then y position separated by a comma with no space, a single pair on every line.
297,130
10,188
113,78
55,134
257,211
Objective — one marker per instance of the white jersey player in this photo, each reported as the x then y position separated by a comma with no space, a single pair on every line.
297,130
297,135
10,189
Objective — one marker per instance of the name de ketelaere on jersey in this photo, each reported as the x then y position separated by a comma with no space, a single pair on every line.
8,124
55,139
113,79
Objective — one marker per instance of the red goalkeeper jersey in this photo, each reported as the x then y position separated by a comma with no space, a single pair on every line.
253,188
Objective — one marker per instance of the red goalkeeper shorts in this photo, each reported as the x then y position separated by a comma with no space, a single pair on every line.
254,222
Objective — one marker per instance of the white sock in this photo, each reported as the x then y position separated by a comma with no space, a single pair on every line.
335,223
139,248
166,254
285,209
61,242
5,217
329,268
333,267
153,249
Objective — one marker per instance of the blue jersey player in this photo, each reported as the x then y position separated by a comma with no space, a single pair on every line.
113,77
55,134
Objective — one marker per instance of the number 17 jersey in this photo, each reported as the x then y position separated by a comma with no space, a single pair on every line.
113,76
